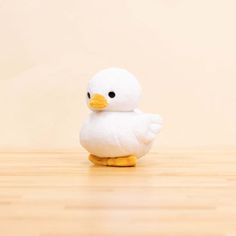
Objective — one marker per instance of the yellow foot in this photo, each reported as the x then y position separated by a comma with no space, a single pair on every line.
116,161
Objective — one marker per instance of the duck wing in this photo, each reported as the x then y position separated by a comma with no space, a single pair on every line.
147,126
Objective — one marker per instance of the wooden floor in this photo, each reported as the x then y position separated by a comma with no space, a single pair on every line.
190,193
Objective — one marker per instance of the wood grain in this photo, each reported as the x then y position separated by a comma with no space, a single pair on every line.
171,193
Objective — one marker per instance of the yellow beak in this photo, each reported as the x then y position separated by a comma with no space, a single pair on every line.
98,102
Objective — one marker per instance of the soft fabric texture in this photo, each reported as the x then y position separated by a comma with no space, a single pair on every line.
120,81
115,128
118,161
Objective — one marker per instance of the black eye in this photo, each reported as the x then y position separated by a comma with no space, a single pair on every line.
111,94
88,94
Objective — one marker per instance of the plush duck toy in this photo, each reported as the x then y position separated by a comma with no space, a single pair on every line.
116,133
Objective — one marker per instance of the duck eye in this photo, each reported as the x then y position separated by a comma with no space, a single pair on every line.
88,95
111,94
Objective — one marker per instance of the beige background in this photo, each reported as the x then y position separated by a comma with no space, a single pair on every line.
183,52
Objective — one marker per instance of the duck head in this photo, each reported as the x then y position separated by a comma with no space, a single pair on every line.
113,89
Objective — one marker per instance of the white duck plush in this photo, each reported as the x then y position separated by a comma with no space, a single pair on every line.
116,133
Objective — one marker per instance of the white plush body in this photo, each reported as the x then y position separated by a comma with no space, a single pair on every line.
115,134
115,128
